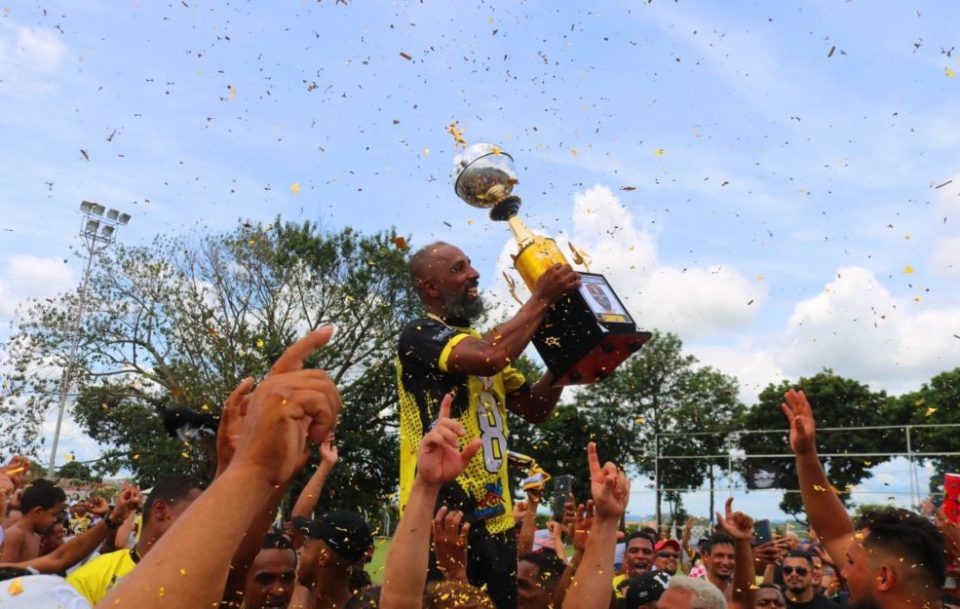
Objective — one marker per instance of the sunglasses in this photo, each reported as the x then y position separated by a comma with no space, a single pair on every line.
801,571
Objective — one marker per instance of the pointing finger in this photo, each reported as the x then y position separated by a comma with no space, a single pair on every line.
292,358
445,406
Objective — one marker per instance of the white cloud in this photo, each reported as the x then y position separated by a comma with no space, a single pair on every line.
753,366
693,302
945,259
29,57
859,329
32,277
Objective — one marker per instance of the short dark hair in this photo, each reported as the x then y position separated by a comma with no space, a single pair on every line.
41,494
169,489
909,536
641,534
549,565
276,540
801,554
717,539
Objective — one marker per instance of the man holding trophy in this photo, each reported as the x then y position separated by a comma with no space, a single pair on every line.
440,353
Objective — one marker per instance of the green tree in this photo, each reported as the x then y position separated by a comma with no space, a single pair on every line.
837,403
182,321
654,400
75,470
934,407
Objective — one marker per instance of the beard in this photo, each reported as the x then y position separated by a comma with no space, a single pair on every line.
463,306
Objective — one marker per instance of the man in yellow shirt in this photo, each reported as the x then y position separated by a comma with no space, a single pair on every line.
439,354
170,497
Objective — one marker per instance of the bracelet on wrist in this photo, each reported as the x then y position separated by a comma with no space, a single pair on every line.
111,523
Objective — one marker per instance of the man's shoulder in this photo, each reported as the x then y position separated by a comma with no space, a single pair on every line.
818,601
425,330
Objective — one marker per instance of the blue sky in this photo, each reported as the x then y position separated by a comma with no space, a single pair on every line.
761,178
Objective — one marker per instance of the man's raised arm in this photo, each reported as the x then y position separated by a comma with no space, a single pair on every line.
505,343
824,509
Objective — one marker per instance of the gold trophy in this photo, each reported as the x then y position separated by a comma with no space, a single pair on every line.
587,334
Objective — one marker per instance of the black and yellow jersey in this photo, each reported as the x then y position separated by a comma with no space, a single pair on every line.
94,579
482,491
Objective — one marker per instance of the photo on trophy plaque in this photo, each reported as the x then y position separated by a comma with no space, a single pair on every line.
602,301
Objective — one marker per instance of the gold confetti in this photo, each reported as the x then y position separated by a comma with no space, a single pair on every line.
929,411
205,407
295,187
185,455
908,270
950,73
16,587
917,299
136,457
426,152
232,91
573,151
260,343
457,133
658,152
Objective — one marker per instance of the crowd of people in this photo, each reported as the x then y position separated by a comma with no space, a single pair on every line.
461,540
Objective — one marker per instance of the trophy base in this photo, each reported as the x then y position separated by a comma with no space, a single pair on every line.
587,334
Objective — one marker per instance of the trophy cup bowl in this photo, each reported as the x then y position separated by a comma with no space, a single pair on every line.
484,176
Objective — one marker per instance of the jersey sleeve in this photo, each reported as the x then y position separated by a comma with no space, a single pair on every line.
429,343
513,379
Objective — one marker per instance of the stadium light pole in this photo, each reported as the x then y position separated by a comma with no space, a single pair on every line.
98,231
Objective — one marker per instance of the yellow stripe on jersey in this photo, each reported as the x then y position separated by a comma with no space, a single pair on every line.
445,354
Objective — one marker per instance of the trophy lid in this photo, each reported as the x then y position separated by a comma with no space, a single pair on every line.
483,175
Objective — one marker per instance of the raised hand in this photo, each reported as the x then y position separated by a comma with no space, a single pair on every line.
737,525
802,425
328,450
440,458
127,501
288,408
556,281
582,524
231,424
608,485
450,544
16,470
98,505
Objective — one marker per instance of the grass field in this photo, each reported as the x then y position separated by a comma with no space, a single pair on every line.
375,567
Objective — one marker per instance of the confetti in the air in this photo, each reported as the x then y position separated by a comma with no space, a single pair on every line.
295,187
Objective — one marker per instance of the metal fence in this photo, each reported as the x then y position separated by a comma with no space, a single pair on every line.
734,455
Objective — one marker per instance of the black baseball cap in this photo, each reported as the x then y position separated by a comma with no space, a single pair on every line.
344,531
645,589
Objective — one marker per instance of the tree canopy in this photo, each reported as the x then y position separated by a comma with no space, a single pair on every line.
178,323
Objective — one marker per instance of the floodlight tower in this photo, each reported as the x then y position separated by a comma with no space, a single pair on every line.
98,231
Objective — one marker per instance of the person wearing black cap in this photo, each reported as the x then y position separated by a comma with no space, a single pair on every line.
643,591
333,544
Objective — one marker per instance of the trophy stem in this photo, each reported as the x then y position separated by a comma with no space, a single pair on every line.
521,232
